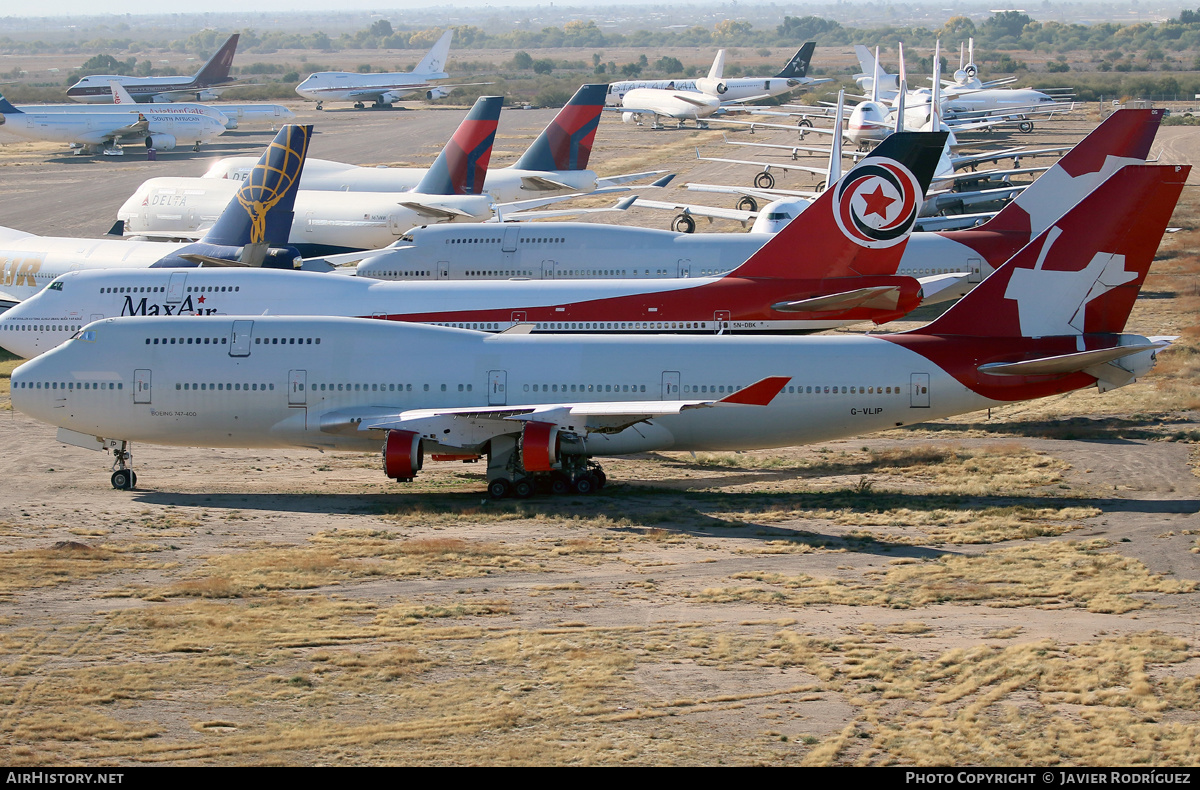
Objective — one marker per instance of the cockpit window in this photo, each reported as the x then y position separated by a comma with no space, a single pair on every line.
87,335
55,286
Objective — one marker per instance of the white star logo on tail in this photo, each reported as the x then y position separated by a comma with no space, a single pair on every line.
1053,303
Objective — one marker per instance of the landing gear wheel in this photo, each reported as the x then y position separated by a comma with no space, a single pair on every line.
586,484
522,489
559,485
196,147
684,223
804,123
359,105
601,478
1025,126
499,488
764,180
747,204
320,105
123,480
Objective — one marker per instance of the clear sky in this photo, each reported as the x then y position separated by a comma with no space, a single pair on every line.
119,7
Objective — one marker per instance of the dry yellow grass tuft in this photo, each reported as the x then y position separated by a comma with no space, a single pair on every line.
1046,575
68,561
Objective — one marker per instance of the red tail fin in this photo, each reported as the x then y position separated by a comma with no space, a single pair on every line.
462,166
1081,275
860,225
1123,139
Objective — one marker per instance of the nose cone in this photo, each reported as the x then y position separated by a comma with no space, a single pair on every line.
27,397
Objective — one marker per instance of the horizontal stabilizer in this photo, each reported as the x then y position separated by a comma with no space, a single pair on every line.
435,211
543,184
208,260
1066,363
883,297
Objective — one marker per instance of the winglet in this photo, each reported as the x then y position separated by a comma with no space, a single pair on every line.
662,182
566,142
462,165
760,393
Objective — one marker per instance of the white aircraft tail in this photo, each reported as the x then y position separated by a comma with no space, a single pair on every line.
434,61
875,77
835,148
902,93
865,61
717,70
120,95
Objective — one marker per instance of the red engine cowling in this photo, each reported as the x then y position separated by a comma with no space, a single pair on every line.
403,455
540,446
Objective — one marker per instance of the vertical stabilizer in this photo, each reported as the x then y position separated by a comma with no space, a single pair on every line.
1123,138
835,148
462,165
858,226
119,94
797,67
435,59
261,211
6,107
566,143
717,69
1082,274
216,70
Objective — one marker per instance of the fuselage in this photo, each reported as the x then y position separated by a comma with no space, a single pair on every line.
347,86
504,184
288,382
736,88
324,222
157,108
94,89
701,305
672,104
574,250
95,128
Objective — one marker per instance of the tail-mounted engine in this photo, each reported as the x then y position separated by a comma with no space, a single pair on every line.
541,447
403,455
711,87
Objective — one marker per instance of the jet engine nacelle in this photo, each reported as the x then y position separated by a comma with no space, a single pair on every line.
711,87
206,96
436,93
403,455
163,142
389,97
628,117
541,446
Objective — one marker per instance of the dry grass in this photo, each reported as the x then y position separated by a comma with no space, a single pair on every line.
70,561
1048,575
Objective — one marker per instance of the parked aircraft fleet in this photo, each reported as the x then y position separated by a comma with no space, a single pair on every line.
542,346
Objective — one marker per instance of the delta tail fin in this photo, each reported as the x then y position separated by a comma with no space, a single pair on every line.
566,143
434,62
462,165
261,211
797,67
860,225
216,70
1123,138
1082,274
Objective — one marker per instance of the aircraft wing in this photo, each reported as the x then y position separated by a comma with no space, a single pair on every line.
521,216
968,160
821,171
611,181
472,426
762,194
987,175
137,127
713,212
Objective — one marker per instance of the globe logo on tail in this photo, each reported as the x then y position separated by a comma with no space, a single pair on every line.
272,178
877,203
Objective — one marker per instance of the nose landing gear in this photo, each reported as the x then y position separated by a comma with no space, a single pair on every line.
123,478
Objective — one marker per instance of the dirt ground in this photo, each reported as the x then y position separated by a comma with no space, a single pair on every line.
1011,588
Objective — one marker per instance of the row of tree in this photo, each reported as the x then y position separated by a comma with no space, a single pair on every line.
1004,30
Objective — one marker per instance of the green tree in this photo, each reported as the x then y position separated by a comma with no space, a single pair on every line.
522,60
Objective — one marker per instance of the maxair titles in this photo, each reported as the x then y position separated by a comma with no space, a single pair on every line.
187,307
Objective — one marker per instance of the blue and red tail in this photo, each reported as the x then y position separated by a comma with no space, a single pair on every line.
566,144
462,166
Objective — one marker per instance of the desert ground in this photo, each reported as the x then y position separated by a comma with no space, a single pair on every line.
1007,588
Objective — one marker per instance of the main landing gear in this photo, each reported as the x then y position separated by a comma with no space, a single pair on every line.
320,105
584,477
123,478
